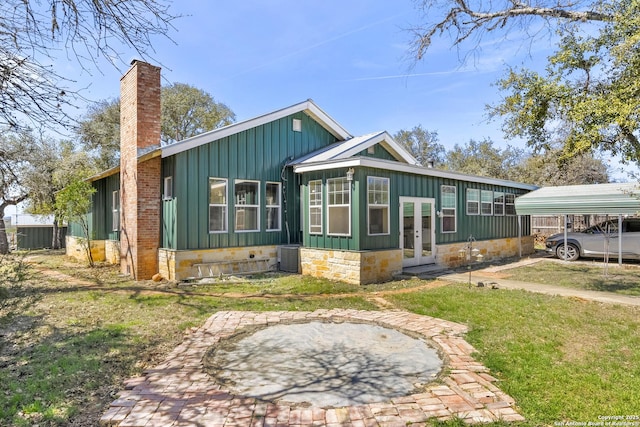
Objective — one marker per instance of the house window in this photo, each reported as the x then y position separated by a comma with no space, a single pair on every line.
498,203
115,210
315,207
486,205
247,203
273,206
448,213
473,201
510,204
168,188
339,206
378,201
217,205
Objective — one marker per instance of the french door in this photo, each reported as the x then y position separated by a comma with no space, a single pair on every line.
417,225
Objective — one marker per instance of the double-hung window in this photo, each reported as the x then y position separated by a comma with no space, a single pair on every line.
510,204
217,205
448,211
486,202
378,201
315,207
498,203
246,196
339,206
273,206
473,201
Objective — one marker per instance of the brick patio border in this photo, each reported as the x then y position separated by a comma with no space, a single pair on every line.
179,393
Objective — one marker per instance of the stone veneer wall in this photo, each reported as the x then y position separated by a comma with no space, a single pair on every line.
112,251
352,267
447,255
75,249
179,265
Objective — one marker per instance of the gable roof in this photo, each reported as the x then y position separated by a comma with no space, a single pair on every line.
353,146
308,107
614,199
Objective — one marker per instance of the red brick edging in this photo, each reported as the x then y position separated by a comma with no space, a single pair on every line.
179,393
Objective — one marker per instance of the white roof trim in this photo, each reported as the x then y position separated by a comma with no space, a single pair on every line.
308,106
404,167
351,147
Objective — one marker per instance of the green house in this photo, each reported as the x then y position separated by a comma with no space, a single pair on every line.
290,190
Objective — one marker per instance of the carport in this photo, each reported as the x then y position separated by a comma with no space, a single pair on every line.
616,199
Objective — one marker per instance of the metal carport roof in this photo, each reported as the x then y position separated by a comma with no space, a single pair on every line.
613,199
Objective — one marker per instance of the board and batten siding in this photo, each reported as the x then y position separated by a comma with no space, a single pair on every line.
100,218
409,185
258,154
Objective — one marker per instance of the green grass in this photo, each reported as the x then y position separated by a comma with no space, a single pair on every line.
65,349
560,359
622,280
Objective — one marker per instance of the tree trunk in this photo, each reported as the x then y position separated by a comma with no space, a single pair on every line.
55,239
4,242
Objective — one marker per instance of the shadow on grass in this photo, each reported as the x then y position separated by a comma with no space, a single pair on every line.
54,376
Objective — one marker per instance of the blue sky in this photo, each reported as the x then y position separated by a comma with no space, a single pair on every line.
350,57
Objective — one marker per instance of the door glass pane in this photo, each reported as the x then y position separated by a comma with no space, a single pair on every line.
408,229
426,229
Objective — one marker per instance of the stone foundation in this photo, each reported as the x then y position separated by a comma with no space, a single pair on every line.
359,268
180,265
75,248
112,251
447,255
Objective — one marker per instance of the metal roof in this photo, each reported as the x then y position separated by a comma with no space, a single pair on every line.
396,166
351,147
308,106
614,198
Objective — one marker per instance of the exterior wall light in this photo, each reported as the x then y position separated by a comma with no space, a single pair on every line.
350,173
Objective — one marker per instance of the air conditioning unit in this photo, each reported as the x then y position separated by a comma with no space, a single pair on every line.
289,258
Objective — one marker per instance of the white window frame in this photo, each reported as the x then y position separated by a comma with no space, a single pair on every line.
486,200
115,210
167,190
240,205
333,207
448,211
274,205
225,205
475,202
315,206
510,205
498,201
378,200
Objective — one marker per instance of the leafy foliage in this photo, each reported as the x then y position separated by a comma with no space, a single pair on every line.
588,97
189,111
422,144
482,158
73,204
186,112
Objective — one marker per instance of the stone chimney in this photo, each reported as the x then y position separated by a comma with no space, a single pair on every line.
140,180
